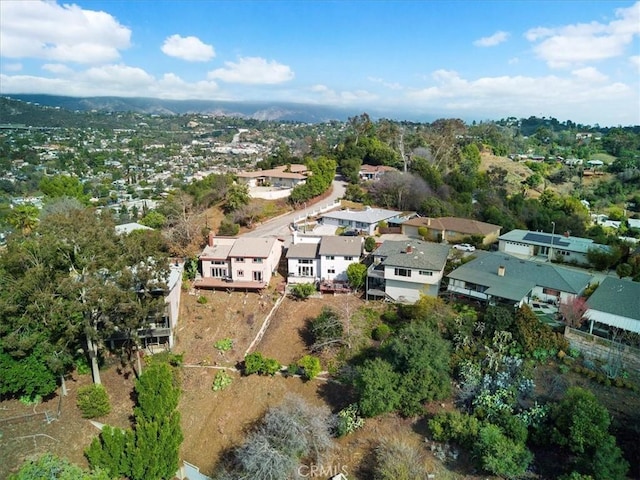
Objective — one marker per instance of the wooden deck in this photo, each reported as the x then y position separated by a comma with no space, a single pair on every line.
218,283
334,287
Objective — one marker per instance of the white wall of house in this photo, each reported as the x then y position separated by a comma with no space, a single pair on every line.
301,271
350,224
409,288
256,269
408,292
612,320
515,248
547,295
335,267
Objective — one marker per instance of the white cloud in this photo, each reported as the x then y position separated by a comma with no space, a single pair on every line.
493,40
590,74
585,96
57,68
59,33
635,60
116,80
191,49
513,61
389,85
586,42
253,70
12,67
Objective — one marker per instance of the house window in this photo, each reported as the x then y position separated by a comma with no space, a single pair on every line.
217,272
551,292
348,258
240,259
402,272
305,271
257,276
241,273
331,270
345,222
257,260
330,257
426,273
361,225
218,262
305,261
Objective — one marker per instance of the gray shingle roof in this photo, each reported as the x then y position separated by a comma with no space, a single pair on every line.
617,297
425,255
520,276
369,216
303,250
343,246
543,239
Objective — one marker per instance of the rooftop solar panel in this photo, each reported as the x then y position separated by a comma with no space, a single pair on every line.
558,240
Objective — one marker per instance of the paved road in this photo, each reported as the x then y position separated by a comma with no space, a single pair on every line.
279,227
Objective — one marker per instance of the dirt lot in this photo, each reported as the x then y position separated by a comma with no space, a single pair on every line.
215,422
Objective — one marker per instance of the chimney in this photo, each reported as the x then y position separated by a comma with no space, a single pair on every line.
212,235
409,249
501,270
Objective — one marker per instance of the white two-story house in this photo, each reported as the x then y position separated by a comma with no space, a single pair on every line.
312,259
402,271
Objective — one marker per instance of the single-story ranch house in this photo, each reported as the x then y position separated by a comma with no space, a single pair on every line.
285,176
495,277
363,221
451,229
566,248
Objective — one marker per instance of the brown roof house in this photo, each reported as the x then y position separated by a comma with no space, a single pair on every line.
451,229
374,172
284,176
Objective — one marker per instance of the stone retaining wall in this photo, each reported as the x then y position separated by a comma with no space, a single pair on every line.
594,347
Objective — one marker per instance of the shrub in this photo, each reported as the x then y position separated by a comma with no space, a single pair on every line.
381,332
93,401
369,244
300,291
293,369
397,460
500,455
348,420
256,363
224,345
253,363
221,381
202,300
455,427
310,366
271,367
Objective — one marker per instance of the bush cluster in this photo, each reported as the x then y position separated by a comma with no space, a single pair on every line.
256,363
93,401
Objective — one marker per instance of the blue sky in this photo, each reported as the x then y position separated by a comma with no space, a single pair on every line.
475,60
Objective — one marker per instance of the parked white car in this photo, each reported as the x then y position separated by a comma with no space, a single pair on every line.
464,247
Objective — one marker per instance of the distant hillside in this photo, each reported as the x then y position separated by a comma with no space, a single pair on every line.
254,110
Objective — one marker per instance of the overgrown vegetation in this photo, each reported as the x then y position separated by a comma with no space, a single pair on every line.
93,401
